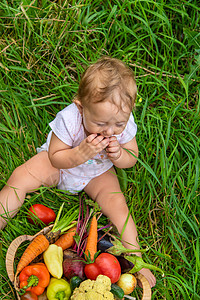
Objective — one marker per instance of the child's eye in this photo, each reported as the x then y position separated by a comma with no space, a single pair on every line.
120,125
99,124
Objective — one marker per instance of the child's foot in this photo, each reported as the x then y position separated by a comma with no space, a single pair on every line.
149,276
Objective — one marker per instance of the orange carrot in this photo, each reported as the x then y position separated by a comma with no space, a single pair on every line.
91,245
36,247
66,240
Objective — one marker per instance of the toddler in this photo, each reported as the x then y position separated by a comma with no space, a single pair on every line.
87,139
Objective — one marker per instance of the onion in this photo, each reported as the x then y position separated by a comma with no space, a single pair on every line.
127,282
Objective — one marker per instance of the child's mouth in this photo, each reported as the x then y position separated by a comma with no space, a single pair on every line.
104,137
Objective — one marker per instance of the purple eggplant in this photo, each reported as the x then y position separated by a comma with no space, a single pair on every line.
125,264
103,243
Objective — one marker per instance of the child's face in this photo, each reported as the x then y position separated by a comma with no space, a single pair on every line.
104,118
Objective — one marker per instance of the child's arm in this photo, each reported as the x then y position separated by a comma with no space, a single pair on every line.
119,156
63,156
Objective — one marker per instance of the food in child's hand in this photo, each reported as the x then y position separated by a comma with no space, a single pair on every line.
58,289
34,278
42,212
53,258
127,282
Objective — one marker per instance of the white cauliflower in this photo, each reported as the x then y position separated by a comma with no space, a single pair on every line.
86,285
108,295
98,289
77,295
91,295
104,280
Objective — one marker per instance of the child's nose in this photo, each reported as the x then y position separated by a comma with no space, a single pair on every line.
108,131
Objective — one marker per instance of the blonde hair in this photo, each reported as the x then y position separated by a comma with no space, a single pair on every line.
103,79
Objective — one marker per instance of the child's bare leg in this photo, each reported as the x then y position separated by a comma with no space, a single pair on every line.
106,191
26,178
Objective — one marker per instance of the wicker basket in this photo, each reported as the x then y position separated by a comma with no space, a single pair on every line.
11,252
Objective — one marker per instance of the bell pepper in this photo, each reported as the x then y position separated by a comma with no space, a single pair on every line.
34,278
53,258
58,289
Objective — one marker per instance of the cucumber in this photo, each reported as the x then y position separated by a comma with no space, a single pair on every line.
75,282
117,291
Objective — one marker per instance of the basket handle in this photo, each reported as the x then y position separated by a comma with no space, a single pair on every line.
145,285
12,249
10,255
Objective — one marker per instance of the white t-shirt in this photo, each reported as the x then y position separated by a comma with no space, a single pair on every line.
68,127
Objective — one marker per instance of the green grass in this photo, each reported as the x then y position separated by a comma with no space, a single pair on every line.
43,50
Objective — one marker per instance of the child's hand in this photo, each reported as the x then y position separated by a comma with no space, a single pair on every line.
92,145
114,149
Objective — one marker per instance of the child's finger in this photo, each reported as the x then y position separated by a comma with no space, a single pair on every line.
91,137
113,149
105,143
113,138
114,155
114,143
97,140
100,140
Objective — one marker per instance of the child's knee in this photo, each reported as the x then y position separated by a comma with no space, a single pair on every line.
120,204
22,179
17,175
115,203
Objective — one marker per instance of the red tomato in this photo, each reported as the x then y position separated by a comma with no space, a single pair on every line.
92,271
105,264
29,296
44,213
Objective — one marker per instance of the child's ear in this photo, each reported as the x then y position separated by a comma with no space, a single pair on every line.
79,105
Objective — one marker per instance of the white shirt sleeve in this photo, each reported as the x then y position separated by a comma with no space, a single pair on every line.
62,128
129,132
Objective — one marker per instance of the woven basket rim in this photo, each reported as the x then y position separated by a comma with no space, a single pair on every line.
12,249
